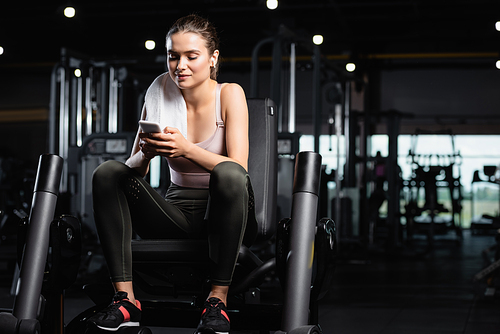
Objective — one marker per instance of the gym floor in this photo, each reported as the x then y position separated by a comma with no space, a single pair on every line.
375,293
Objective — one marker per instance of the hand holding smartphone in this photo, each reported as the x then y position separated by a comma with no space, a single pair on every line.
148,127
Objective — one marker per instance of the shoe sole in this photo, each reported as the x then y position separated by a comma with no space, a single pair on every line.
125,324
209,331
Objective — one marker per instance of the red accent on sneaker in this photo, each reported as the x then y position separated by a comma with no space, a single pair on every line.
221,311
225,315
138,304
126,314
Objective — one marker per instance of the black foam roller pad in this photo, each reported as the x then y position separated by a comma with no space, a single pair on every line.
307,172
49,173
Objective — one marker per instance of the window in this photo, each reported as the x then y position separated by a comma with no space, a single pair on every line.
474,152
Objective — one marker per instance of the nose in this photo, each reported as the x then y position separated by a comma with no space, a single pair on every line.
181,64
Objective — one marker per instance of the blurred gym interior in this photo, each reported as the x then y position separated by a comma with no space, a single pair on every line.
400,98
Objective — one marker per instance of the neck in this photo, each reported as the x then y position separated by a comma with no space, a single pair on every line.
198,95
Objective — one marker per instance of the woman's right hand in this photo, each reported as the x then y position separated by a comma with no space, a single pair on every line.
148,151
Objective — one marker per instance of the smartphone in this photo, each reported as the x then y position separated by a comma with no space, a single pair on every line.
148,127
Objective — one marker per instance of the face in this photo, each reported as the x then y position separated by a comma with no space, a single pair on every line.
189,61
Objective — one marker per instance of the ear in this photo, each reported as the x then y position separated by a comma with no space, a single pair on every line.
215,58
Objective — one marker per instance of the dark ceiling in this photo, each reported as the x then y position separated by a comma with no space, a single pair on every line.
118,29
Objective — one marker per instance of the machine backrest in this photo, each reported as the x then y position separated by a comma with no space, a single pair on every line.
263,163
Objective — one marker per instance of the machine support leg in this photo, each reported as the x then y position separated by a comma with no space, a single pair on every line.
37,242
300,258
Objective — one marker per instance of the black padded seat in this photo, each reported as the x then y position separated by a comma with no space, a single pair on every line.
169,251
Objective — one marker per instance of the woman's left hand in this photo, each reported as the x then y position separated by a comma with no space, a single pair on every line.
170,143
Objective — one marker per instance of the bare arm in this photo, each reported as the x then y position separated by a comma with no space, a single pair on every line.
137,159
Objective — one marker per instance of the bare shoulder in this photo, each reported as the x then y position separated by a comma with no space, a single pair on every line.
231,91
233,100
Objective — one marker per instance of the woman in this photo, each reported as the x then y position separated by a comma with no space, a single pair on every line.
207,151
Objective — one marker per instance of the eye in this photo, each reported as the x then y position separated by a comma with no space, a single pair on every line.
192,58
172,56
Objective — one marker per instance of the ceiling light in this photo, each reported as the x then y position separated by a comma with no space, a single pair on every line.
498,64
272,4
350,67
150,45
318,39
69,12
1,50
78,73
497,26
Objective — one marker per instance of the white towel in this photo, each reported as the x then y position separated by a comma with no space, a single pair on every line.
165,104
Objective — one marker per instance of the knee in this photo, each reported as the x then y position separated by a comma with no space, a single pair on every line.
229,177
107,171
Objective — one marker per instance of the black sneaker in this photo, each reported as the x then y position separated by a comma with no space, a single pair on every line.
120,313
214,318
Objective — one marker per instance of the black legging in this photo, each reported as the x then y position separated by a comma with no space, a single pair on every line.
124,200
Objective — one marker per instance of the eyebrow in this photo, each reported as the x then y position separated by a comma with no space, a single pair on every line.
188,51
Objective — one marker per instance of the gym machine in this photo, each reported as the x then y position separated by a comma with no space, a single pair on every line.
485,223
293,263
285,43
430,173
39,303
488,224
368,182
302,235
88,123
288,140
384,184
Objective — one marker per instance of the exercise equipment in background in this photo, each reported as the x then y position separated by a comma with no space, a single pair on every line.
485,222
431,175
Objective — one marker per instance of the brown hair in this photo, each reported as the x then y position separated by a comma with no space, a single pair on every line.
201,26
